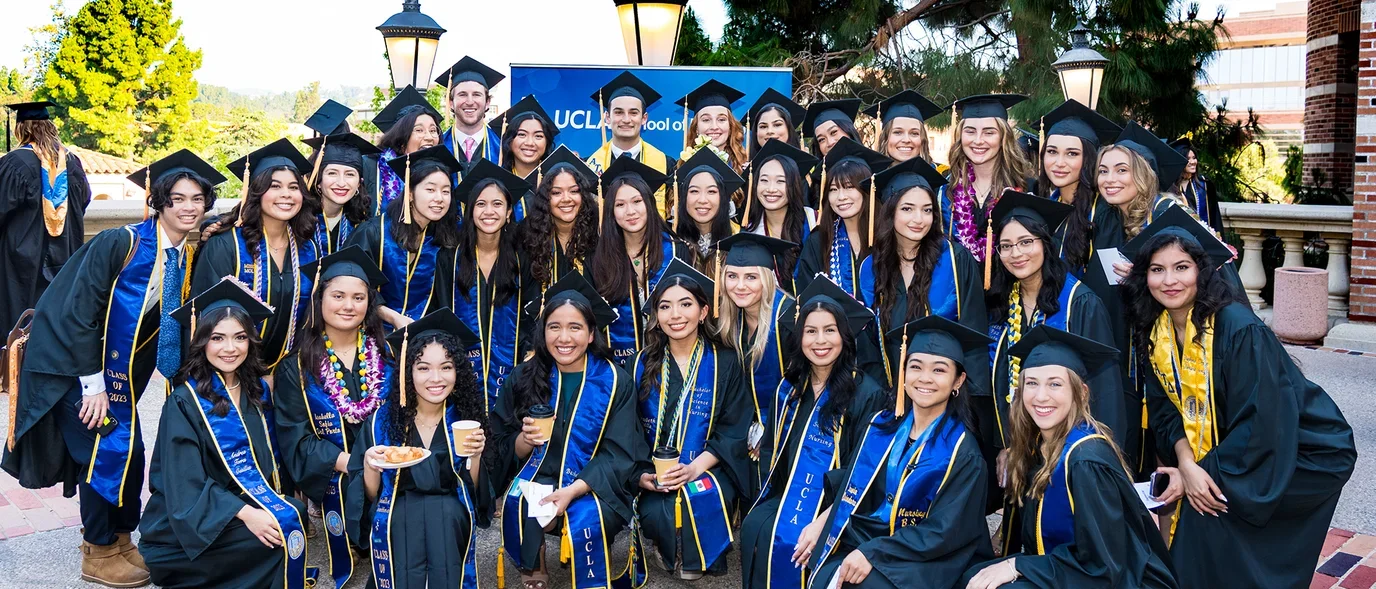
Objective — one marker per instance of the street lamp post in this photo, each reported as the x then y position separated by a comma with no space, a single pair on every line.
1081,69
411,38
650,29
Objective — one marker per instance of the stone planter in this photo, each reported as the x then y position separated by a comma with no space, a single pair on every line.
1301,305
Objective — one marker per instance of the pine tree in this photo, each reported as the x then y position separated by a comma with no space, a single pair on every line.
694,46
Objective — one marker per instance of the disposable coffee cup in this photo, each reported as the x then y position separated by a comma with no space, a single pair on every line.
665,458
461,430
544,419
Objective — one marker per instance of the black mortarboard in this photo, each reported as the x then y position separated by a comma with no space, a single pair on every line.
436,153
625,84
710,93
181,161
524,108
905,104
850,149
228,292
572,286
1048,346
345,148
31,111
350,261
275,154
939,336
1077,120
987,105
804,160
822,289
746,249
1165,161
829,111
772,97
470,70
441,321
484,170
1014,204
678,267
408,97
1178,221
629,166
564,158
706,160
331,118
1183,146
903,175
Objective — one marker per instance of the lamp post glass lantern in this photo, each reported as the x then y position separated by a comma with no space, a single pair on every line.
411,38
1081,69
650,29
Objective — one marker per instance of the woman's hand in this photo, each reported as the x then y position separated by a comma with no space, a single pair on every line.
854,568
262,524
995,575
1204,495
374,455
1122,269
210,231
93,409
565,496
1175,487
808,540
647,482
677,476
475,444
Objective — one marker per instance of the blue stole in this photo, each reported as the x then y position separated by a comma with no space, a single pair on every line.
323,244
947,210
583,525
766,375
943,296
257,272
626,332
381,536
235,449
410,277
816,454
54,190
692,426
495,354
1201,194
110,459
841,265
1056,510
912,478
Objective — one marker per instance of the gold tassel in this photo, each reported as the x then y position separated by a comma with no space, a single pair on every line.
243,195
449,112
193,317
565,547
879,126
600,204
501,569
501,149
822,196
869,238
685,122
716,285
900,403
405,336
602,125
315,171
988,252
147,191
406,193
1041,141
678,511
673,204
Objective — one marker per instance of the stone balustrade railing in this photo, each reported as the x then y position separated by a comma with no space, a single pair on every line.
1290,223
104,214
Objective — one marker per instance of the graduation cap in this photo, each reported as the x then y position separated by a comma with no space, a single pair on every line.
402,166
823,290
850,149
26,111
1021,205
181,161
829,111
629,166
625,84
908,104
1077,120
751,249
913,173
677,267
525,108
562,158
350,261
345,148
330,119
573,287
987,105
1048,346
469,70
1178,222
771,97
935,335
706,160
482,169
441,321
1183,146
228,292
407,98
710,93
775,148
280,153
1165,161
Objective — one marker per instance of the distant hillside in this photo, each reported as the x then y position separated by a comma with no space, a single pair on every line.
276,105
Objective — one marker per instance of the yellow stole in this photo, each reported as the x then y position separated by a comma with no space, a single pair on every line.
1189,381
602,159
54,218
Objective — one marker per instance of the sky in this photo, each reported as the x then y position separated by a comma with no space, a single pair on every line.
274,45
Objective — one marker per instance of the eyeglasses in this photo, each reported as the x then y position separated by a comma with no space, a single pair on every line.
1023,246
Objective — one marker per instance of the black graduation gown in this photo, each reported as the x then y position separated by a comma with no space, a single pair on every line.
368,235
189,535
756,532
67,342
812,259
1282,455
1117,544
527,291
930,555
608,472
430,527
309,459
218,258
730,429
30,258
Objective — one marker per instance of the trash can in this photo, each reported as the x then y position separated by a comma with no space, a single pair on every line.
1300,313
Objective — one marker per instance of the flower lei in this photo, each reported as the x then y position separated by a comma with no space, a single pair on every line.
1014,322
370,381
701,142
962,208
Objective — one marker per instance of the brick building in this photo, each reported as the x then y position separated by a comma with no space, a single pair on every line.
1360,126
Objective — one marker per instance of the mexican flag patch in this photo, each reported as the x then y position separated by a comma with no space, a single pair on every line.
701,485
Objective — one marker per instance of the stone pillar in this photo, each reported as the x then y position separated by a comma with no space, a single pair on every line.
1331,92
1252,272
1363,294
1294,248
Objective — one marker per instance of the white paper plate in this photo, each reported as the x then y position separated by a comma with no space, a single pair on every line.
424,453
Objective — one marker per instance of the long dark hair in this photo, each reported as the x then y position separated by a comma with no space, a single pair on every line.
160,193
887,259
657,342
688,228
846,174
532,388
847,127
795,212
843,379
514,126
1213,292
504,269
538,231
1053,273
250,211
399,135
468,397
957,406
311,337
788,122
1079,227
357,209
197,367
612,271
445,230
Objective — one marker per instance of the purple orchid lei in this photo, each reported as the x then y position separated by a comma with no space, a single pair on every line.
962,208
370,375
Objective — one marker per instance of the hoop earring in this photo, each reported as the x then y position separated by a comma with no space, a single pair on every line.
955,393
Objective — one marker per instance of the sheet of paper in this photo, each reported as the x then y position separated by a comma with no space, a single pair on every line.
835,580
1108,257
1144,493
534,493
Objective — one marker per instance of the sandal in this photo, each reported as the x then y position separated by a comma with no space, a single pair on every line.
537,579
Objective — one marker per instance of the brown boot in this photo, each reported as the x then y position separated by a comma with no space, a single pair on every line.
104,565
130,551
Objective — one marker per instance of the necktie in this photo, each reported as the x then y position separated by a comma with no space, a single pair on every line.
468,145
169,333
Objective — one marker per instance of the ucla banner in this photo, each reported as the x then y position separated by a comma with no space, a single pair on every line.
566,92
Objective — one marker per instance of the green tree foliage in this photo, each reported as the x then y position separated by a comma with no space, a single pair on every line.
307,100
694,46
124,75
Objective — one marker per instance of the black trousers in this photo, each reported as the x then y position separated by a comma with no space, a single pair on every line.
101,519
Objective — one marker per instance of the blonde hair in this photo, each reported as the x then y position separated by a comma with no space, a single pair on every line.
43,136
730,328
1028,449
1144,178
925,152
1013,169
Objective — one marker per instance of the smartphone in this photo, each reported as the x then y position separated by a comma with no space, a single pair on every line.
1159,482
107,425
